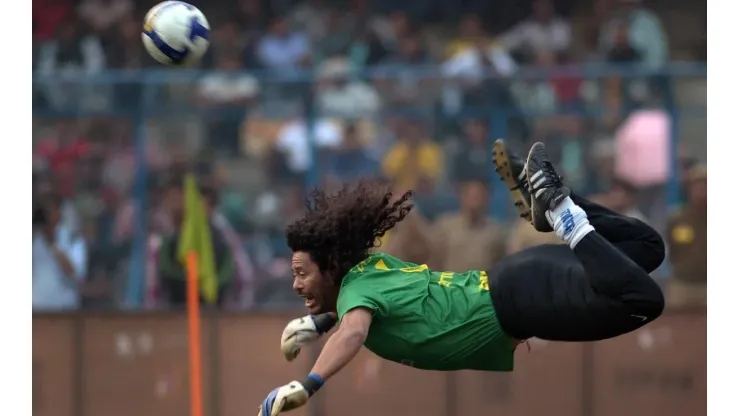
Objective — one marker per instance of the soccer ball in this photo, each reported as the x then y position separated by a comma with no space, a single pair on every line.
175,33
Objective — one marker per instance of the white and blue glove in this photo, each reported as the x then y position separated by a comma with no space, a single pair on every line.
290,396
302,331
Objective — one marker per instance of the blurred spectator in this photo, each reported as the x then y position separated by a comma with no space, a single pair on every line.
469,239
71,51
400,84
251,19
49,184
350,161
524,236
47,16
470,32
687,246
644,30
414,161
622,51
392,29
411,51
543,32
226,94
411,239
310,17
282,49
476,70
339,95
228,40
622,198
103,15
172,270
472,161
62,151
367,49
339,27
294,143
59,258
643,157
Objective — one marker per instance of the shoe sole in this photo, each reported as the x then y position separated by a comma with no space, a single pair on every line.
502,164
533,203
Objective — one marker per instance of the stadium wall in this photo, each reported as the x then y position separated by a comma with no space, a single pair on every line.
119,364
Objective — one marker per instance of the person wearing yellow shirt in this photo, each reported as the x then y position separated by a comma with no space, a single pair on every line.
413,162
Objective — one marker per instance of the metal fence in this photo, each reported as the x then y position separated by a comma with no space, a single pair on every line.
123,364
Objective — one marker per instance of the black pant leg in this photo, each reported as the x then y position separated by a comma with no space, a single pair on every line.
591,293
633,237
612,274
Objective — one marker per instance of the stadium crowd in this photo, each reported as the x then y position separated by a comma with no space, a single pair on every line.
315,92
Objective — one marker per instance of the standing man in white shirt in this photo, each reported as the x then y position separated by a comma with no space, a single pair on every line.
59,258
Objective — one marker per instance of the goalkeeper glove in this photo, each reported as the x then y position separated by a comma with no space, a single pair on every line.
302,331
290,396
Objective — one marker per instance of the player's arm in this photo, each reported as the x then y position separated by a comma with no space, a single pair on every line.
342,347
339,350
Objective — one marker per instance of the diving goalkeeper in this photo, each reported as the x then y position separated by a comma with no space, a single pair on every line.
595,287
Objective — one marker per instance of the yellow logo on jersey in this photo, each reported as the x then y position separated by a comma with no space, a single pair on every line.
416,269
380,265
483,285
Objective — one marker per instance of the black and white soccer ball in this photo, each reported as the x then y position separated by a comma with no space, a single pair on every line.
176,33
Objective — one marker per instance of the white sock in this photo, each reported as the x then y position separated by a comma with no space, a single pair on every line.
569,222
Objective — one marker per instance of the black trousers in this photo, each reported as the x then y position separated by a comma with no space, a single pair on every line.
599,290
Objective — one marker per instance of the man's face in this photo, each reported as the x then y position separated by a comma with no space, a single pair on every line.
320,293
473,197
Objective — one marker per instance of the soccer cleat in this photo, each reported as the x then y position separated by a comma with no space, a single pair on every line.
511,170
545,186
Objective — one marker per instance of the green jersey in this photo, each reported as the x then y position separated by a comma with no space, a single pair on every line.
428,320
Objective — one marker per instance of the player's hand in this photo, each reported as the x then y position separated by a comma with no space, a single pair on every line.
288,397
302,331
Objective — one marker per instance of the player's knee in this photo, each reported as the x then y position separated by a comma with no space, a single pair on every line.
649,300
654,250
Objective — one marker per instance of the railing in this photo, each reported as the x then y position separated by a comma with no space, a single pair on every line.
164,106
136,364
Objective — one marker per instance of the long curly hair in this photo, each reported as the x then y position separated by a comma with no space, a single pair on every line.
340,228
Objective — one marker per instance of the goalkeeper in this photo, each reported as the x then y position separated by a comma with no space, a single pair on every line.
595,287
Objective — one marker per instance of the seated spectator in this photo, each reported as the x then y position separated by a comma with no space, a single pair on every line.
294,146
282,49
644,31
227,93
350,161
339,28
339,95
399,82
622,51
543,32
414,161
103,15
472,159
687,246
470,33
47,16
71,51
59,258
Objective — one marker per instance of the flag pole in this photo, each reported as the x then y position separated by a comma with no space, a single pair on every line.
194,339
